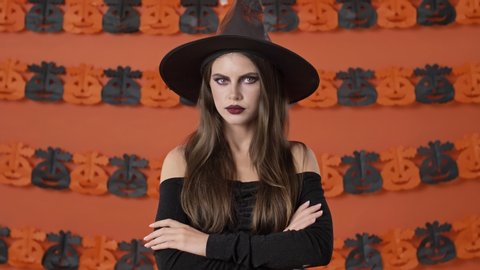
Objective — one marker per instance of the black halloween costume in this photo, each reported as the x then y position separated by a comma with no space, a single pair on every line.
236,248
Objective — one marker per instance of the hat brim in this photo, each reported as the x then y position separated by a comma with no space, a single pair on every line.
180,68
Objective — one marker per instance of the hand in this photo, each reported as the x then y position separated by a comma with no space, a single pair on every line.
304,216
176,235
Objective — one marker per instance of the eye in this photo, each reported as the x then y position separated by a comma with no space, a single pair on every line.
221,81
250,79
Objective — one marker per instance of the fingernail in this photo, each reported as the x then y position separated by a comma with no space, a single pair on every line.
307,202
151,225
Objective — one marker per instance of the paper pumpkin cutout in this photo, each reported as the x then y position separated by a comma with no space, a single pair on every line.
435,247
338,260
3,245
44,16
317,15
435,12
83,17
468,11
45,85
325,95
398,253
363,253
361,177
434,87
198,17
398,172
97,254
122,88
356,14
153,180
88,177
469,158
136,257
51,173
437,167
12,15
394,87
12,83
355,89
62,255
467,242
26,251
160,17
15,169
155,92
332,183
467,85
82,85
396,14
121,16
128,181
278,15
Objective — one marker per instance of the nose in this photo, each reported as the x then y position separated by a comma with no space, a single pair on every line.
235,92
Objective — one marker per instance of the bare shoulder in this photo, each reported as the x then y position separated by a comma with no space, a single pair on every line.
304,158
174,164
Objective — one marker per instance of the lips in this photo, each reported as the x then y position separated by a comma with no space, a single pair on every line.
235,109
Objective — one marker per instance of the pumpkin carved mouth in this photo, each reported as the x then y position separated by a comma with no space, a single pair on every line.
83,25
7,23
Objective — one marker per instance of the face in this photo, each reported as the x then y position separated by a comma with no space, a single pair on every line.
236,87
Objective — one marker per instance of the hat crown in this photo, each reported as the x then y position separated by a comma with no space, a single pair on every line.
245,18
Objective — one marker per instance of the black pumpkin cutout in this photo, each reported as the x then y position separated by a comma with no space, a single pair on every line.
44,16
356,14
63,255
435,247
363,254
199,17
437,167
361,177
136,258
45,85
355,89
434,87
51,173
122,88
435,12
128,181
278,15
4,232
121,16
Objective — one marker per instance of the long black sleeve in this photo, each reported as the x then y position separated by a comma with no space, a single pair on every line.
173,259
293,249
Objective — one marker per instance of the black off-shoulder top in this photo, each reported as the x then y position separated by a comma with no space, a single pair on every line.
237,248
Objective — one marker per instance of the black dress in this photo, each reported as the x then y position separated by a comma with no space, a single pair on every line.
237,248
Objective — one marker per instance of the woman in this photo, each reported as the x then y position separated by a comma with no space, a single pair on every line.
238,194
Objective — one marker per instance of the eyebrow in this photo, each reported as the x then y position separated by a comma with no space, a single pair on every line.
244,75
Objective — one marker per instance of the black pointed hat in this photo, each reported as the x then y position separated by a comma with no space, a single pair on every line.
241,29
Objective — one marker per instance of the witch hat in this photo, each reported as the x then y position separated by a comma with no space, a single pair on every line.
241,29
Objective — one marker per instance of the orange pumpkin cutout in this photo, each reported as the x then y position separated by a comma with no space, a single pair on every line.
15,169
153,180
332,181
396,14
98,255
89,177
160,17
399,173
468,160
468,12
325,95
394,87
338,260
397,253
26,251
467,84
12,15
317,15
83,16
467,242
12,84
82,85
155,92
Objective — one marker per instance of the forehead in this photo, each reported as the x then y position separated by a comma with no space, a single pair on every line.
233,62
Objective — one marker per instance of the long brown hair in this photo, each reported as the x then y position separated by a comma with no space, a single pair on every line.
206,195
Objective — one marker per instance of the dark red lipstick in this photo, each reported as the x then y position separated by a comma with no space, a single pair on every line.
235,109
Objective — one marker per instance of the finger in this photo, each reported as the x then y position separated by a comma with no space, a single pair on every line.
167,223
161,240
304,221
306,212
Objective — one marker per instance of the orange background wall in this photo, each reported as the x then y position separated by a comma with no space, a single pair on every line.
150,132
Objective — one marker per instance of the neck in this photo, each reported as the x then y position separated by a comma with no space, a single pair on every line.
239,138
